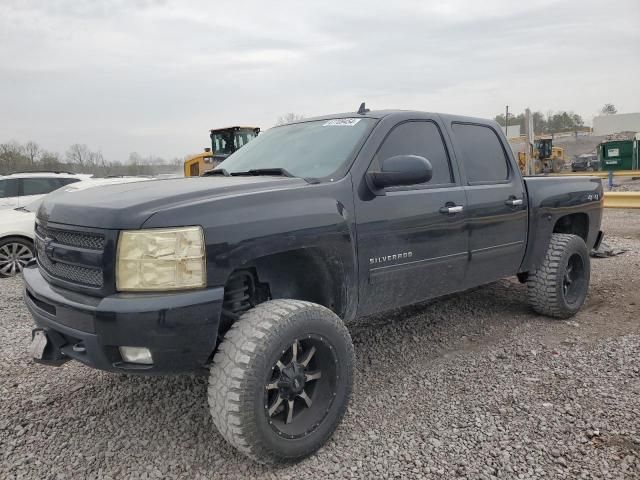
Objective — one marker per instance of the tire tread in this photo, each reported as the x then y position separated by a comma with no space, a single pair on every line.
231,370
542,284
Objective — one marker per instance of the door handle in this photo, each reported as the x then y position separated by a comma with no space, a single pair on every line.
513,202
452,209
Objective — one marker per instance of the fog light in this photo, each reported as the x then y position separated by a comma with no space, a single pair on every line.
136,355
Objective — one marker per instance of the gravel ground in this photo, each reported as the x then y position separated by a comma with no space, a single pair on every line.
473,386
622,184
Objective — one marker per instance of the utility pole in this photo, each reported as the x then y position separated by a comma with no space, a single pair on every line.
506,122
528,126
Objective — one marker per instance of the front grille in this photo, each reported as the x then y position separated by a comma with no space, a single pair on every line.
92,241
80,275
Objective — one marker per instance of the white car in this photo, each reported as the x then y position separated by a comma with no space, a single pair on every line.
17,225
20,189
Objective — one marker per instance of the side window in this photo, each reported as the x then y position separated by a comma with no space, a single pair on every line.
420,138
38,186
8,188
482,154
61,182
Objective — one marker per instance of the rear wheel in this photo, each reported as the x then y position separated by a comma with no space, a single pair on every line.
281,379
15,253
558,287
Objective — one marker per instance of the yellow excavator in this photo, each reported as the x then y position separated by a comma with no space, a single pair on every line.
545,157
224,141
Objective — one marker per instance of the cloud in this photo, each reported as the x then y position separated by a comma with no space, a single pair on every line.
154,76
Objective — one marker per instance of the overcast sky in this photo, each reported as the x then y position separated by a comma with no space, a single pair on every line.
153,76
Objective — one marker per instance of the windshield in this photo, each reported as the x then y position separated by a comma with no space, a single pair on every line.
228,142
223,142
310,150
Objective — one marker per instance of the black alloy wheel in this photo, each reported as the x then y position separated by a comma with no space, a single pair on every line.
558,287
301,387
573,281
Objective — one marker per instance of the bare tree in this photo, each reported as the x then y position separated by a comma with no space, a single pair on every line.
609,109
135,158
96,159
12,157
79,157
11,147
33,151
78,154
50,161
288,118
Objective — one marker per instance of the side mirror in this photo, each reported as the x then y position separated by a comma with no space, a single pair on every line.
402,170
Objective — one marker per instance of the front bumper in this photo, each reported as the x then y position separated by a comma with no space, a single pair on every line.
180,329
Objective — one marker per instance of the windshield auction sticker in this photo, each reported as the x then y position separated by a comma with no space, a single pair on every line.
342,122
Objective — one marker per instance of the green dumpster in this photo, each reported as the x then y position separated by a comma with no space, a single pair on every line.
616,155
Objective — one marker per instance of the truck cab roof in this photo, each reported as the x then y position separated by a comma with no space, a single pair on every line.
380,114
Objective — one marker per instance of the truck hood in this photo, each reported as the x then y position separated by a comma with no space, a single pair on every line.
128,206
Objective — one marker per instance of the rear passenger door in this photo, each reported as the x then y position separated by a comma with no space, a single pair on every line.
497,203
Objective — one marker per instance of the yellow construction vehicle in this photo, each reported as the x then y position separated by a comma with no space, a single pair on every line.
224,141
545,157
196,164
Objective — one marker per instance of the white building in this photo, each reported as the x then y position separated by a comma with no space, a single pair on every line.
620,122
513,132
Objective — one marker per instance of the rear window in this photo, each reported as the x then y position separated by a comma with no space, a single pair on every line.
66,181
482,154
39,186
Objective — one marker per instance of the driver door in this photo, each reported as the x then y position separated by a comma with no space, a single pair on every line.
412,240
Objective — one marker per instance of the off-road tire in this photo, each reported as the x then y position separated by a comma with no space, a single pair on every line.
243,361
545,284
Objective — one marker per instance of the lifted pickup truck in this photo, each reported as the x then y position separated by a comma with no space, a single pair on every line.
253,270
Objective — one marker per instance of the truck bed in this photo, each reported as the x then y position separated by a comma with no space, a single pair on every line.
553,197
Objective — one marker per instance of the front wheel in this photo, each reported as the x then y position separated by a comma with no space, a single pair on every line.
281,379
558,287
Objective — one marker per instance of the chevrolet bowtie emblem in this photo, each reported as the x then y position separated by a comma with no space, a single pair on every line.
49,248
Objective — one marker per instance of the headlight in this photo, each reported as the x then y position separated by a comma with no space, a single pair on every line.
161,259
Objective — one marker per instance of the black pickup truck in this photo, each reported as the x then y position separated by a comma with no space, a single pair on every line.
253,270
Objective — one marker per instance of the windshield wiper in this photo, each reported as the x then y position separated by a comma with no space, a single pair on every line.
280,172
216,171
275,171
257,172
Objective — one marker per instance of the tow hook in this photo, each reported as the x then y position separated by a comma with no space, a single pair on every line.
46,347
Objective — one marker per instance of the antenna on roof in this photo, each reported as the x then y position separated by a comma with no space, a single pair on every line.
363,110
